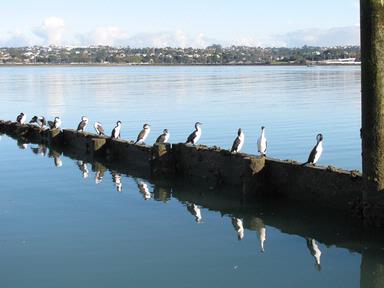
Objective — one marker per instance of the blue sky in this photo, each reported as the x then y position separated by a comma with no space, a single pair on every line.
182,23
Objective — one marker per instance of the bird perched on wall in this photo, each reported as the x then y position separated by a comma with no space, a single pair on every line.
143,134
239,142
98,128
56,123
163,138
21,118
83,123
262,142
116,131
195,135
316,152
39,120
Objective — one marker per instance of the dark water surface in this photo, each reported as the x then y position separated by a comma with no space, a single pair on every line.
69,223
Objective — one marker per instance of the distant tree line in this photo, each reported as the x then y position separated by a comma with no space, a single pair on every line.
214,54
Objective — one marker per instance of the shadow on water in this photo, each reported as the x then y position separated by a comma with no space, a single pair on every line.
314,225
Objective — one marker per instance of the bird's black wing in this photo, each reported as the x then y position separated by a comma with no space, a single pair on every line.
113,132
140,136
101,130
81,126
51,124
160,139
311,157
18,119
236,144
191,137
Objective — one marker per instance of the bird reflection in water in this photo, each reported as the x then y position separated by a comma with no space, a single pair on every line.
116,178
56,158
83,168
238,225
315,251
41,150
259,226
195,211
143,188
99,176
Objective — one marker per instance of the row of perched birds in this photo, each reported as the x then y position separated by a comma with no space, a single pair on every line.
193,138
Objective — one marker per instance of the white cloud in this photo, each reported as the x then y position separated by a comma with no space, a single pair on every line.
322,37
52,31
111,36
169,39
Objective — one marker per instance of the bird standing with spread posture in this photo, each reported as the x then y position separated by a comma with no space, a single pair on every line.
99,128
163,138
83,123
316,152
116,131
143,134
239,142
21,118
262,142
39,120
195,135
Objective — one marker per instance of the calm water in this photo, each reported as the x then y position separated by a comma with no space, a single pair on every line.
67,223
294,103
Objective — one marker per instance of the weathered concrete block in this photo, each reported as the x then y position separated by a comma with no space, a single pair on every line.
219,165
98,146
128,153
80,141
162,160
54,136
327,186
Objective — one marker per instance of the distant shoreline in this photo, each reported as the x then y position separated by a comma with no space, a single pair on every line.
166,65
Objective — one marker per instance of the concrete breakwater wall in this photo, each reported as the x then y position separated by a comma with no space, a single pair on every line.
250,175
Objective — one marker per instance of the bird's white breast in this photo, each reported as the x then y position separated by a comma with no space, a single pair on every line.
319,151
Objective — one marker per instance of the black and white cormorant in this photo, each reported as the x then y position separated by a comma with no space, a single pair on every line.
316,152
239,142
83,123
21,118
262,142
195,135
116,131
99,128
55,124
163,138
39,120
143,134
